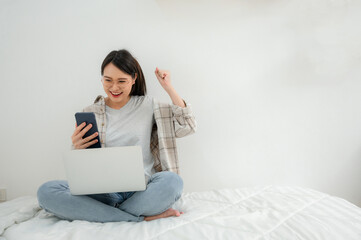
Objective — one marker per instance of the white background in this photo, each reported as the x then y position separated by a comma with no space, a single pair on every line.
274,85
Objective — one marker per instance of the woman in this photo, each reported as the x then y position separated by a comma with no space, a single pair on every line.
129,117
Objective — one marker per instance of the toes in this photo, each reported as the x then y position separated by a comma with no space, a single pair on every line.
174,212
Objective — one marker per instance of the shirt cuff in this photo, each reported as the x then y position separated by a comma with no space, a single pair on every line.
178,111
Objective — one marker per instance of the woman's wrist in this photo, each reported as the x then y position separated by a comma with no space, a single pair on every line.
176,99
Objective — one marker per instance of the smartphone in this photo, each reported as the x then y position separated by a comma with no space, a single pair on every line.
88,117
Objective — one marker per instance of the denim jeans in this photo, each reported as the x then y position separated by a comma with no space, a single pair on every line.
162,191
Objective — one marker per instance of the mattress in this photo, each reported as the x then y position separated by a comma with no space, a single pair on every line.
263,212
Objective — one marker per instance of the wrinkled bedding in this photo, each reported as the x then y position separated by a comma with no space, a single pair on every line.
268,212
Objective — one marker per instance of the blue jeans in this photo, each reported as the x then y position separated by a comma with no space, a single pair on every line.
163,190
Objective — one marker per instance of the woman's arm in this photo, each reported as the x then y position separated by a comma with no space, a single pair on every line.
184,122
176,99
163,77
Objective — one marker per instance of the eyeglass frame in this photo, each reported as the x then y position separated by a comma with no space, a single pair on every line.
105,83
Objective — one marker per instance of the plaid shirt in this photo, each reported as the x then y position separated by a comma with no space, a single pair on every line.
171,121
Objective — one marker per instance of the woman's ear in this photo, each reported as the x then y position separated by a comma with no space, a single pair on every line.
135,78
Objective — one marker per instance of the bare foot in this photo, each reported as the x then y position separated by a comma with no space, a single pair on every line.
168,213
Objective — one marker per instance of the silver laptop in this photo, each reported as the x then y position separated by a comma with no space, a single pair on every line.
105,170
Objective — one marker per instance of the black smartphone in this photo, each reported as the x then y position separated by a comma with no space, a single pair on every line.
88,117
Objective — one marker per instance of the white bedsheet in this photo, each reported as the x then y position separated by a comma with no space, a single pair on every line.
271,212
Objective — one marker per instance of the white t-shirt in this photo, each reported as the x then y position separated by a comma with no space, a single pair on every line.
132,125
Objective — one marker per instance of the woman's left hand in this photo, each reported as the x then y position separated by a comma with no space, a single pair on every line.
163,78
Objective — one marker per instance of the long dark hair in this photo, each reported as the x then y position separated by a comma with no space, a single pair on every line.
123,60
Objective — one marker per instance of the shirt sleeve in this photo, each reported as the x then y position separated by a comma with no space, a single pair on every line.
184,120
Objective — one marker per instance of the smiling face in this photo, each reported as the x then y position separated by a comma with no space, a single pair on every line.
117,85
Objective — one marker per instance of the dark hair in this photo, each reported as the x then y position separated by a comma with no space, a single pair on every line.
123,60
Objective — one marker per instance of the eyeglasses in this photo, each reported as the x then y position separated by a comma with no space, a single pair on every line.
109,82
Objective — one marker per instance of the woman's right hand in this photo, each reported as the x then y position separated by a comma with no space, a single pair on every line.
77,137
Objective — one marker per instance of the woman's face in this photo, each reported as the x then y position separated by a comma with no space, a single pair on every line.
117,85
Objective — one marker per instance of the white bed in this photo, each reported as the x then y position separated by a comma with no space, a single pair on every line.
270,212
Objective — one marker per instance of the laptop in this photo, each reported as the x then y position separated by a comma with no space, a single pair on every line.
105,170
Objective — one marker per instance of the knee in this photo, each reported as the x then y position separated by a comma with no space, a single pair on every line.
173,183
49,189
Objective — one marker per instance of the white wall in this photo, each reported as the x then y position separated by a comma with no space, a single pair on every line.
275,86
